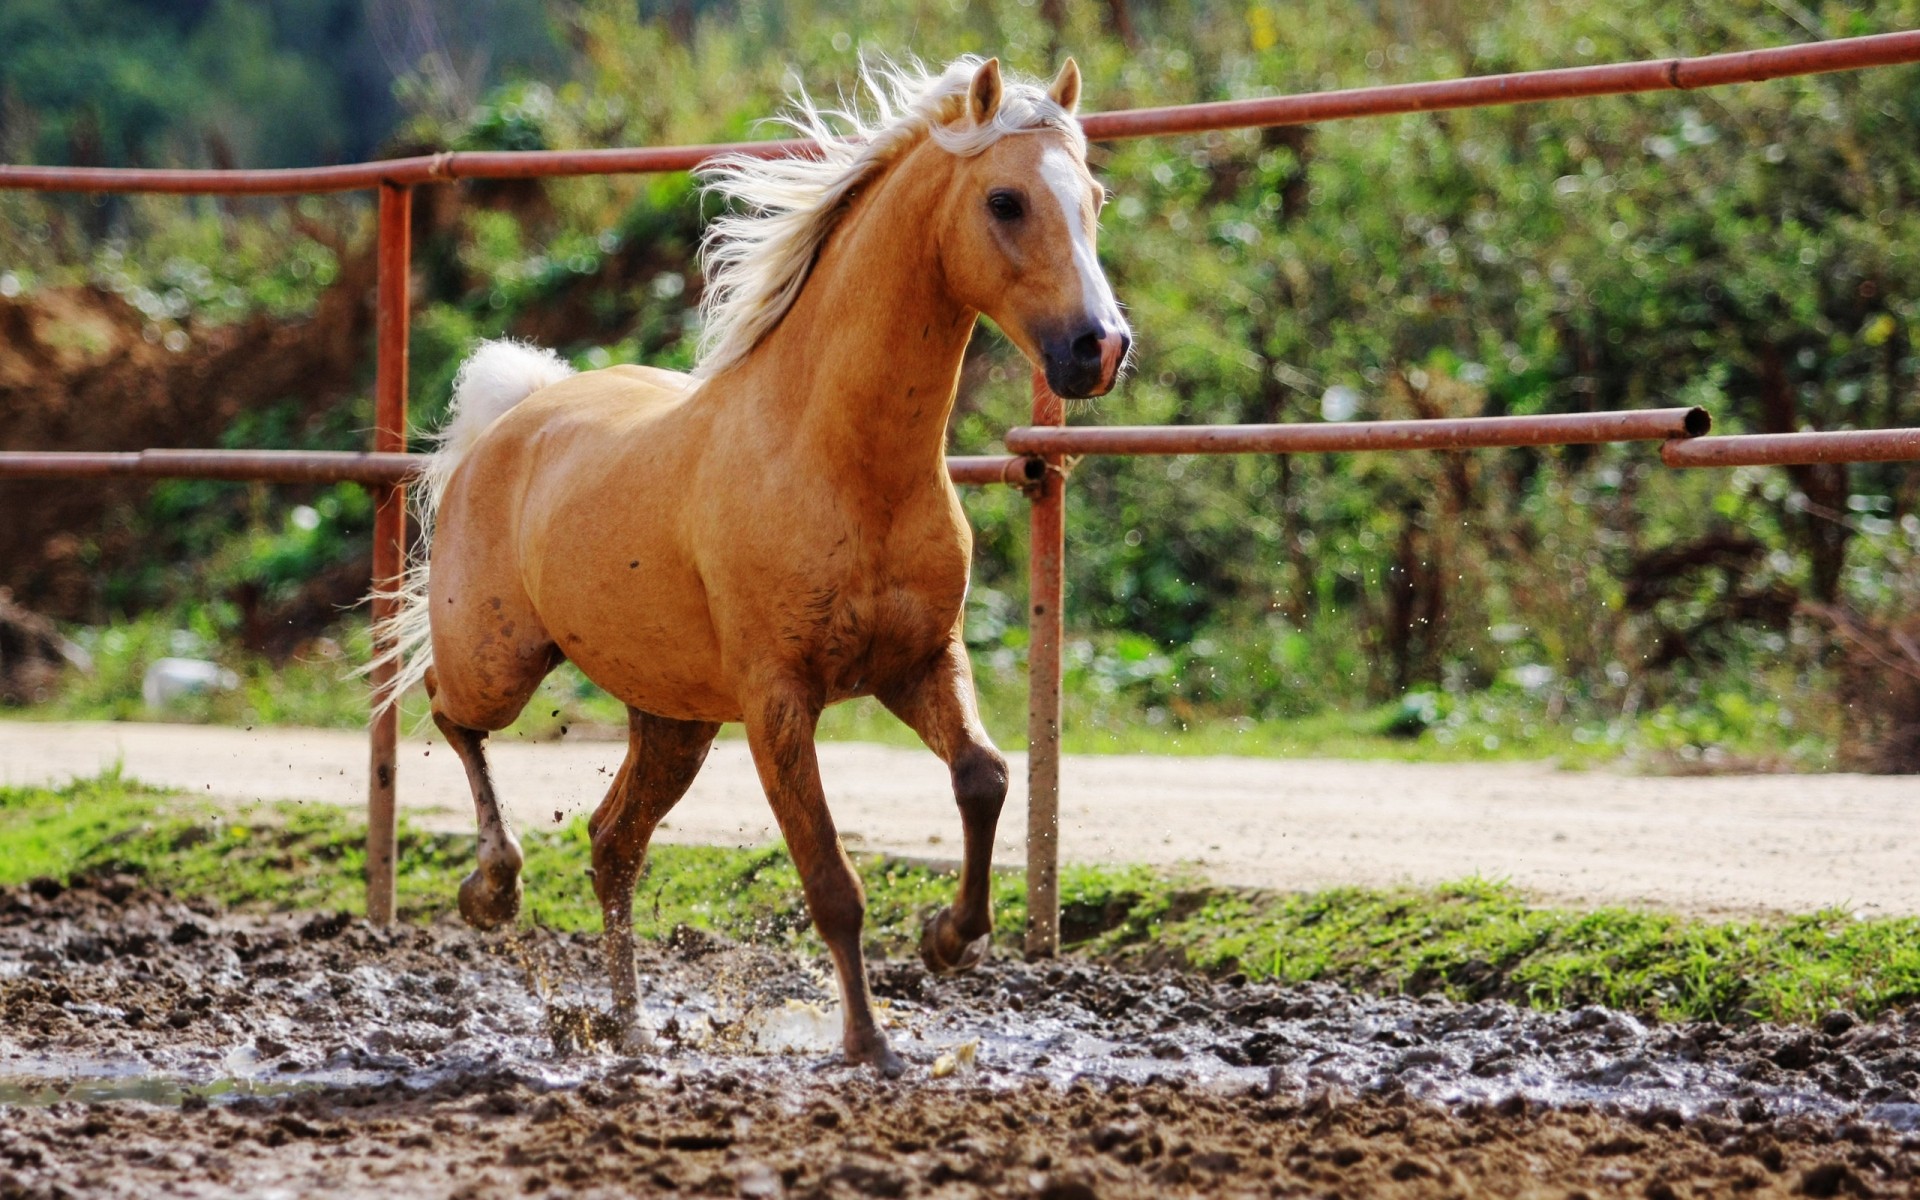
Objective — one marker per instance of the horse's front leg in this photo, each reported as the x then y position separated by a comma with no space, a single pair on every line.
780,726
940,706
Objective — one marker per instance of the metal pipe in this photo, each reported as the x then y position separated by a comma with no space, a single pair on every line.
1015,470
239,466
419,169
1524,87
1460,433
1046,584
391,322
349,466
1776,449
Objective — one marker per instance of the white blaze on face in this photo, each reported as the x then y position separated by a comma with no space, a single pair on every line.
1069,186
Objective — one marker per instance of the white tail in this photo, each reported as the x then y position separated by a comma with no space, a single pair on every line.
497,376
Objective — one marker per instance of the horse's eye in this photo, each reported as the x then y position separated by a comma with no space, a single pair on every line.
1005,206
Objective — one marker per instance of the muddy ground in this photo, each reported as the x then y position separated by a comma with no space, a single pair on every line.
150,1048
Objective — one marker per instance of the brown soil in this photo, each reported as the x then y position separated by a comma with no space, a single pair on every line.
424,1060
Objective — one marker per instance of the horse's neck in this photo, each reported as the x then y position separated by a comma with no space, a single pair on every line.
866,362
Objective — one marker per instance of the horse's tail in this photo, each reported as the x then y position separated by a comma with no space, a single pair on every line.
497,376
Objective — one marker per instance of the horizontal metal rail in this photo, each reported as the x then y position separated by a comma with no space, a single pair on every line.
1789,449
1523,87
419,169
344,466
238,466
1463,433
1015,470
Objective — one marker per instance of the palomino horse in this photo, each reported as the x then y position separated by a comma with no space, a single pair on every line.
776,532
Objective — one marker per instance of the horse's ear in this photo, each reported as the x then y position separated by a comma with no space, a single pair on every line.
983,94
1065,88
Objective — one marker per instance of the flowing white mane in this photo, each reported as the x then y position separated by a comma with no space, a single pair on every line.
757,257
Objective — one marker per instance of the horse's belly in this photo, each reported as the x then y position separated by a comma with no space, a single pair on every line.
636,623
654,668
683,691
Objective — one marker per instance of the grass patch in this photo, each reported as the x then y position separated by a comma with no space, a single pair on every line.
1469,940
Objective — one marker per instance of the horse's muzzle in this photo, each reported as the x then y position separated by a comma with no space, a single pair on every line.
1086,362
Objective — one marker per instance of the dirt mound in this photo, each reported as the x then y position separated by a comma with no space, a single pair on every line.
85,370
32,654
1879,690
146,1044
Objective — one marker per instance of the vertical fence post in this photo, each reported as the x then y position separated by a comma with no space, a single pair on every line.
1046,589
389,527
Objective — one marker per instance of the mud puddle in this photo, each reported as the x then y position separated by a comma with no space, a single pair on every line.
143,1041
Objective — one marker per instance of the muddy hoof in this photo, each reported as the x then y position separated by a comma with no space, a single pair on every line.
635,1037
882,1059
486,902
945,952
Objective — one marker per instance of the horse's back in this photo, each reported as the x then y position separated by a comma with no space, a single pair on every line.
655,377
611,395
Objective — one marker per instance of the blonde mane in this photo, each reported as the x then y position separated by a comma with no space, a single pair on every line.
757,256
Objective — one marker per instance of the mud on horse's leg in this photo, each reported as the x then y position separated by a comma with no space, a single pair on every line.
940,706
490,894
663,756
780,727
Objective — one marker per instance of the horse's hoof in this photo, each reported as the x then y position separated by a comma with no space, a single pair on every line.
486,903
881,1058
635,1038
945,952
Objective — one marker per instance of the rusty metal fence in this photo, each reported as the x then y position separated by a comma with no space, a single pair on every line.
1041,455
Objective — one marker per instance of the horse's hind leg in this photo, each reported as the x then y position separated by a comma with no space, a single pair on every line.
490,894
490,652
663,756
941,708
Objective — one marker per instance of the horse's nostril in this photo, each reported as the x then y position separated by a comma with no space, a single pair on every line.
1086,347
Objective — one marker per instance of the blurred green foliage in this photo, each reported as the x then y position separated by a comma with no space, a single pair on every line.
1752,249
256,83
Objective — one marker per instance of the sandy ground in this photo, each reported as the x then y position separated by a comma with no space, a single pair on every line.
1720,845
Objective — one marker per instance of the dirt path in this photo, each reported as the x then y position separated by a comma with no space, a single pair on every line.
1732,844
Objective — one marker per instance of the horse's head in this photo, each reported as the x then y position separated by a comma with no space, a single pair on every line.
1016,237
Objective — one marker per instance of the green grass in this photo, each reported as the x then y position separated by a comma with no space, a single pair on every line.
1469,940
